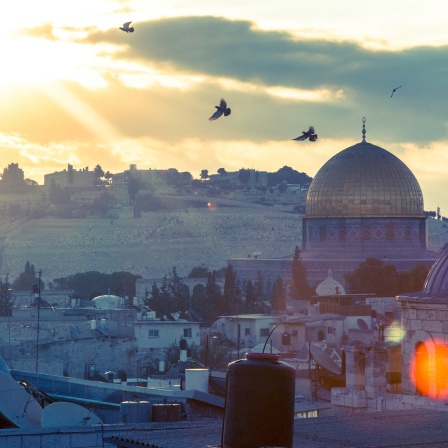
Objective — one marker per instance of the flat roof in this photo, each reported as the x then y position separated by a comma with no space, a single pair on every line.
404,428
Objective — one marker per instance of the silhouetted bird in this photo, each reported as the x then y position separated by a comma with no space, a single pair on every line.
221,109
394,90
126,28
309,134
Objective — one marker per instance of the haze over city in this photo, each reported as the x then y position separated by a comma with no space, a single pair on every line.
76,89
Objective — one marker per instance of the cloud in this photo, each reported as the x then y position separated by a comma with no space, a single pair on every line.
44,31
216,49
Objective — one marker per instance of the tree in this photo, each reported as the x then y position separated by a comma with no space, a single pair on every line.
179,292
172,296
199,300
88,285
259,287
6,303
198,272
13,179
213,297
27,279
231,292
278,295
98,173
288,175
377,277
300,288
222,171
282,186
373,276
250,294
414,279
134,186
204,174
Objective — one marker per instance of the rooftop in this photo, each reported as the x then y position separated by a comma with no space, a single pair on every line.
412,428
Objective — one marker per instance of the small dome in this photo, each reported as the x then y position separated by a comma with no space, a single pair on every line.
437,280
107,302
364,180
329,287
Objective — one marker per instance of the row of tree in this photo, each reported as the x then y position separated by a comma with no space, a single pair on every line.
208,301
285,174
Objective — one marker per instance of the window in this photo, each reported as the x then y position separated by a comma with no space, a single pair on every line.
187,333
247,332
294,333
264,332
153,333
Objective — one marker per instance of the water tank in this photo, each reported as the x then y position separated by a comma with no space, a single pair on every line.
135,411
259,408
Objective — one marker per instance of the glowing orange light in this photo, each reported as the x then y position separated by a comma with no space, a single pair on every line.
429,369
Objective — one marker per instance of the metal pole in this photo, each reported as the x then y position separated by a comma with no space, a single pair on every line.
38,324
206,352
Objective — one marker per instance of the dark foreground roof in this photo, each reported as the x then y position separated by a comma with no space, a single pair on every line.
411,428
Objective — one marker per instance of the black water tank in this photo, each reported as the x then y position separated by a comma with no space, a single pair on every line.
259,408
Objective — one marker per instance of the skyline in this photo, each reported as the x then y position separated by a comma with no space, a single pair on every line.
78,90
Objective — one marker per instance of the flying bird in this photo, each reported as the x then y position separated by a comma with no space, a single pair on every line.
309,134
126,28
394,90
221,109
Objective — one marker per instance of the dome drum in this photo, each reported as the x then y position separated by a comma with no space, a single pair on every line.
362,233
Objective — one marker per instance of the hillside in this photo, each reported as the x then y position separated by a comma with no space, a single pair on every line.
151,245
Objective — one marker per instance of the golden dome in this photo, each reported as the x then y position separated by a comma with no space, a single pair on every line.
364,180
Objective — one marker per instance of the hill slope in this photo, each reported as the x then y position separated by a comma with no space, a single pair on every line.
151,245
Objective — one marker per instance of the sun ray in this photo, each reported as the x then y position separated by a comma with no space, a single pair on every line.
83,113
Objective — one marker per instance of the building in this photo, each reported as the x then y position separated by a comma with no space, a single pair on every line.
425,324
248,330
249,178
79,179
363,203
150,177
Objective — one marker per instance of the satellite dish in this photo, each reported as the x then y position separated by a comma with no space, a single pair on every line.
362,325
324,360
4,367
62,413
17,405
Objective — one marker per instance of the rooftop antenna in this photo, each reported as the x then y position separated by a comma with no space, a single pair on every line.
269,336
363,129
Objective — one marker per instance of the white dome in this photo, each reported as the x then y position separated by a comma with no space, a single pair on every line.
107,302
329,287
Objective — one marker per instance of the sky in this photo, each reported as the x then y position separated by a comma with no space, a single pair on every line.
76,89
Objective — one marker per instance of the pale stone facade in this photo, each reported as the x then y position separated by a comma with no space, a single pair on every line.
425,345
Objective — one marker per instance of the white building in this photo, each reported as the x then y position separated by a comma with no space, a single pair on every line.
250,329
155,334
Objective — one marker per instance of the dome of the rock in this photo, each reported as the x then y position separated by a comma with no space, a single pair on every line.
364,180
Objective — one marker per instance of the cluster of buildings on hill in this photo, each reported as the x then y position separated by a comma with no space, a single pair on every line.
85,178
